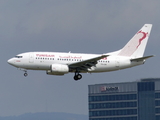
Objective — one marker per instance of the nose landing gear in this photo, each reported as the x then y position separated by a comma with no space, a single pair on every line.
25,71
25,74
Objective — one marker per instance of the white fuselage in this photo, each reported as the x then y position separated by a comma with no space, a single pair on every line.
44,60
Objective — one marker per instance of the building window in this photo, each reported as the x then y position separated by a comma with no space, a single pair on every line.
115,118
157,102
157,117
113,112
112,105
146,86
157,110
157,95
113,97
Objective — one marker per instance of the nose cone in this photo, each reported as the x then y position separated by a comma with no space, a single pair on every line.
10,61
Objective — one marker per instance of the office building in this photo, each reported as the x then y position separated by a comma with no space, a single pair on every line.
138,100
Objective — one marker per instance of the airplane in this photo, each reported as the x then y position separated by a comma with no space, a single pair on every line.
60,63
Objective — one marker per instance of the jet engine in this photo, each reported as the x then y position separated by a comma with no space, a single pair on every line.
58,69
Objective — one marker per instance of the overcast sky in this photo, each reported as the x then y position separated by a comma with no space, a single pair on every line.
85,26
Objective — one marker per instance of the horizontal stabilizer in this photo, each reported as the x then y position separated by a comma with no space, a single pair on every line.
141,58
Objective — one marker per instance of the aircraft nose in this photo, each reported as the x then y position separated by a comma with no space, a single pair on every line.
10,61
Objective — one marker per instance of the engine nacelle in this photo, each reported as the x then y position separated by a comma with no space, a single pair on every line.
58,69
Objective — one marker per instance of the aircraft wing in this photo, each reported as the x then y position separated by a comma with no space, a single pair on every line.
85,64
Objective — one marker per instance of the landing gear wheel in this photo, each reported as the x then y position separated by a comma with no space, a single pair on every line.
25,74
77,77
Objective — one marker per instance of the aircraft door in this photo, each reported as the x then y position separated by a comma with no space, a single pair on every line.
31,58
117,62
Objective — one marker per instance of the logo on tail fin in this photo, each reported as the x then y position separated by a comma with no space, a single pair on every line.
133,44
143,37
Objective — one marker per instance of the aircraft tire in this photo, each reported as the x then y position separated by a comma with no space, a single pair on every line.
25,74
77,77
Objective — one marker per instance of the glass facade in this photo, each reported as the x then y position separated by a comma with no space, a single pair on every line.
113,97
146,86
110,106
157,105
113,112
115,118
113,105
125,101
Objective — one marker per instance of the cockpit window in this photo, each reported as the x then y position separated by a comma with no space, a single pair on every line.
18,56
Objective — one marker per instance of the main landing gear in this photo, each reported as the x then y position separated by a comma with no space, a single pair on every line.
77,76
